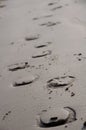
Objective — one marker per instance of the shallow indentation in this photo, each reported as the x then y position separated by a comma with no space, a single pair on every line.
24,81
55,8
56,117
40,45
44,53
18,66
52,3
49,24
60,81
31,38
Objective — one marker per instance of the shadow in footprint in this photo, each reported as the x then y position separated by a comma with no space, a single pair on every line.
44,53
49,24
42,45
31,38
19,66
79,56
6,114
52,3
46,16
55,8
60,82
56,117
2,6
84,126
25,81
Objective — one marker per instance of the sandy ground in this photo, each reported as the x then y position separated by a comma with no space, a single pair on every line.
41,40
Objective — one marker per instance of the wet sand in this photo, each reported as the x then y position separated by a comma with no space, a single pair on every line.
42,64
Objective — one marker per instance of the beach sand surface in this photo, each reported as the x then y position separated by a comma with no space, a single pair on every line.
42,63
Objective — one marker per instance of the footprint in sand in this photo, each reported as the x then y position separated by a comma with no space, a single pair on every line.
32,37
60,81
18,66
46,16
56,116
49,24
42,45
42,54
25,81
52,3
55,8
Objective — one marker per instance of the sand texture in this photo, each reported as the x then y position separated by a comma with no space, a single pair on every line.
42,64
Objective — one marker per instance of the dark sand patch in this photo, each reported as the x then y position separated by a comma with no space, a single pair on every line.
79,56
6,115
84,126
35,18
72,94
2,6
52,3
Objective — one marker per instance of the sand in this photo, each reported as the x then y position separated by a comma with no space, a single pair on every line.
44,39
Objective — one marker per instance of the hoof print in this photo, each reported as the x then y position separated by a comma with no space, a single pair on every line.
24,81
60,81
56,117
44,53
19,66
